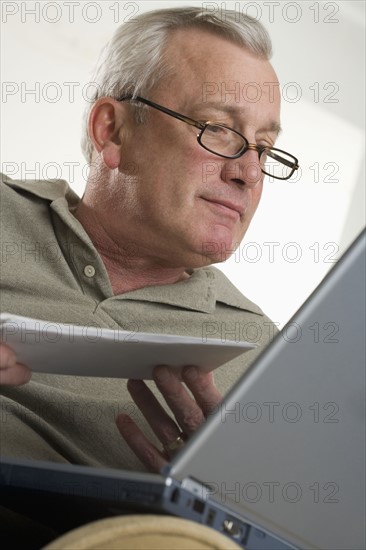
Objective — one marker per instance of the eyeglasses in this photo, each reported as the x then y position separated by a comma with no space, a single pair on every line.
228,143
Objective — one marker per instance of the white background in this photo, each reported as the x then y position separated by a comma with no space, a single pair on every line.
301,227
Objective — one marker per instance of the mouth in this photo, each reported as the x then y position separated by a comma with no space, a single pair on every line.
226,206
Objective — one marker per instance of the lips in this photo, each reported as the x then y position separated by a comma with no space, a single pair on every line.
227,204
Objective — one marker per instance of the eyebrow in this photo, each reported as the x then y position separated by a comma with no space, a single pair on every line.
273,126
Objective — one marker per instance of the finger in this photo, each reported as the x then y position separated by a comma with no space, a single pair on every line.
11,372
203,388
149,455
185,409
162,425
7,357
16,375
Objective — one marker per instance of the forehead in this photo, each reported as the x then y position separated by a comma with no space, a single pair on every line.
211,68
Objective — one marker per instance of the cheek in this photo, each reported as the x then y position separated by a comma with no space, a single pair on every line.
167,156
176,177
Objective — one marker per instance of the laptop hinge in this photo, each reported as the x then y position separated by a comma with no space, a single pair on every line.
197,488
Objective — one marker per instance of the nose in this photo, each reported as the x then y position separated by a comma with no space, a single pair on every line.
245,170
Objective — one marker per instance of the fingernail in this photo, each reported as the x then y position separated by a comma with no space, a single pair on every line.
161,373
190,373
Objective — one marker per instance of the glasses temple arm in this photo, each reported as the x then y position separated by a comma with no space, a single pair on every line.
165,110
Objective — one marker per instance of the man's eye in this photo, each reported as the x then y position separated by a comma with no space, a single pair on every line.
212,129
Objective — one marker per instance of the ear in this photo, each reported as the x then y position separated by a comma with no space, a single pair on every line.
105,122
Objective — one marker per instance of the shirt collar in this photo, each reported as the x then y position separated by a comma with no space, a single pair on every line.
45,189
205,288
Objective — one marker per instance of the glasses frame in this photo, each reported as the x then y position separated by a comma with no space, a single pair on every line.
202,127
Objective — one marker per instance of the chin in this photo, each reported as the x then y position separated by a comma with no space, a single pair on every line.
216,251
212,245
220,245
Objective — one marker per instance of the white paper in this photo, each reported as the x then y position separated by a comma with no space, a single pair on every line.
50,347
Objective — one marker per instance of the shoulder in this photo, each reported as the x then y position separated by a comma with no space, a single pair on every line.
25,206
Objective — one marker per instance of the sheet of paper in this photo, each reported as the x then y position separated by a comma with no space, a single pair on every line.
49,347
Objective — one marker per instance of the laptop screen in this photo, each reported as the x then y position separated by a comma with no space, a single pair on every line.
286,449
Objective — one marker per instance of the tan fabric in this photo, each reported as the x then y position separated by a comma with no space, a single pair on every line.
44,253
145,532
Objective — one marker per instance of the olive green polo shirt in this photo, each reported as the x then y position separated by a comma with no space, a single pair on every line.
50,270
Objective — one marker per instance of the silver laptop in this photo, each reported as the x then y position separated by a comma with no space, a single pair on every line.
281,463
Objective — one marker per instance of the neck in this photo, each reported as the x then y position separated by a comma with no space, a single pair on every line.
128,267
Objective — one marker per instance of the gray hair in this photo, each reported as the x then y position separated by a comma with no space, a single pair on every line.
132,62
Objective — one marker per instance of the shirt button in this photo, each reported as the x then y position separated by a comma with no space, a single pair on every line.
89,271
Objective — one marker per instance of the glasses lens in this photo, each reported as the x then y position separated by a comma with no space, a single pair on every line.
277,164
222,140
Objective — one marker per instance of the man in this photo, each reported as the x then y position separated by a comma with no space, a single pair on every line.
159,207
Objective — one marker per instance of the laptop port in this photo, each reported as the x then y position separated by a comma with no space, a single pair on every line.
175,496
198,506
210,517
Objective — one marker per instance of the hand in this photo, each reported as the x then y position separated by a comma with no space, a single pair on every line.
11,372
189,413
